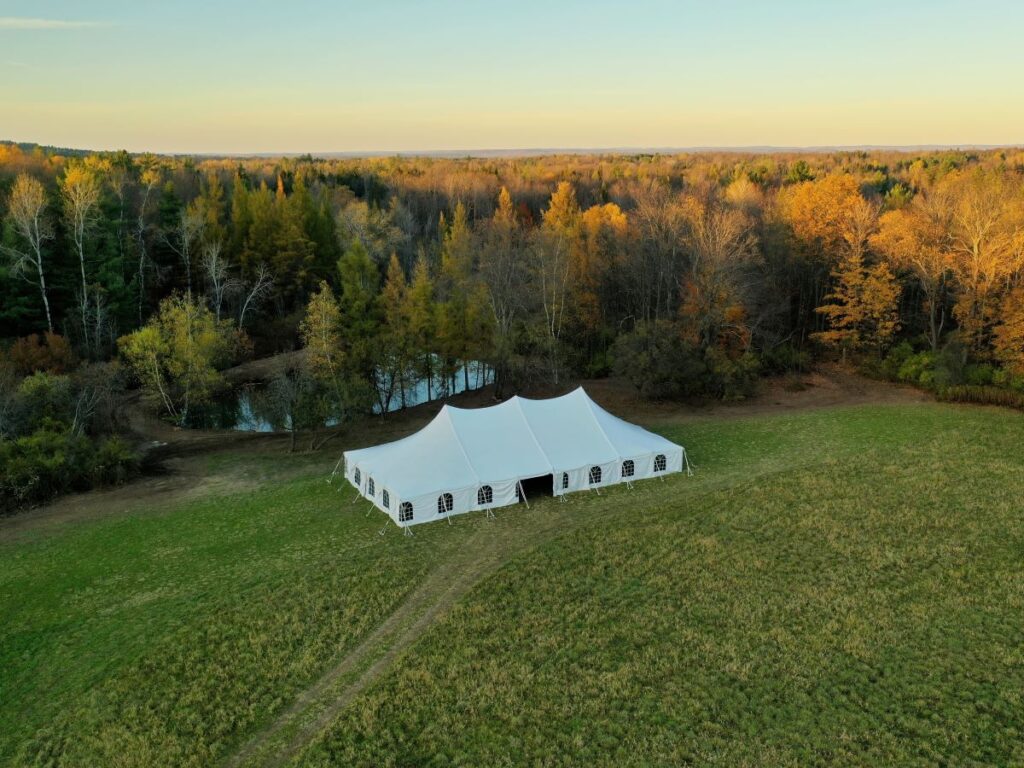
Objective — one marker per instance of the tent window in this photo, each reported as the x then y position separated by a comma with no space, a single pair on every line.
660,463
627,468
595,475
565,480
359,477
405,512
445,502
370,487
386,499
485,495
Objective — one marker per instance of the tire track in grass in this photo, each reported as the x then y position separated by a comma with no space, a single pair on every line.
493,543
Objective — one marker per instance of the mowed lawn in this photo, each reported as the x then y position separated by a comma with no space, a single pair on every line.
838,587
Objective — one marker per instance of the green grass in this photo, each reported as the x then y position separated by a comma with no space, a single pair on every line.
835,587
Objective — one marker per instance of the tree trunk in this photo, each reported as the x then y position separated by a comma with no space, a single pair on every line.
42,288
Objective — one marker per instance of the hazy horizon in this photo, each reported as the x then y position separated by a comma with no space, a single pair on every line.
513,152
449,76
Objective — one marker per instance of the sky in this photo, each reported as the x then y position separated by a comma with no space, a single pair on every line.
395,75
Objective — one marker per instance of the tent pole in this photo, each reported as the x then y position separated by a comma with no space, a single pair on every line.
522,492
686,460
335,471
406,531
489,514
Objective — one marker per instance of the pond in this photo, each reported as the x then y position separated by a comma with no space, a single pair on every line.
242,408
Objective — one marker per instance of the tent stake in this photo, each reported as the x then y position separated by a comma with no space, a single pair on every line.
489,514
369,511
407,531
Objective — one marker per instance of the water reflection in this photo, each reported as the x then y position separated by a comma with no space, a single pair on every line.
246,409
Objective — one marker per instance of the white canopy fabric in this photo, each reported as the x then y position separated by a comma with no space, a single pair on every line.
474,459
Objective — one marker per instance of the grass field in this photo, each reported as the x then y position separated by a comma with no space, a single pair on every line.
841,586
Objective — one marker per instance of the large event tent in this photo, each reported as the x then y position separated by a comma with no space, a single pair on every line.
476,459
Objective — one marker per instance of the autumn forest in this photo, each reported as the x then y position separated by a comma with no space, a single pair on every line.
690,275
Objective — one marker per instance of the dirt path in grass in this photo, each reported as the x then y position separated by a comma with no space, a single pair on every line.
487,549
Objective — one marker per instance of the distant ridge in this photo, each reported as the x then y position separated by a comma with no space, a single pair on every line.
766,149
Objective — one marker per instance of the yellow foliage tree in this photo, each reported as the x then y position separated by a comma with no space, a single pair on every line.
984,236
827,215
913,240
603,236
178,354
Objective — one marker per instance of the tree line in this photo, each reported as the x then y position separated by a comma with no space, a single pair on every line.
689,274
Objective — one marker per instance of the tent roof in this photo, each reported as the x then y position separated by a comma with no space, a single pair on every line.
516,439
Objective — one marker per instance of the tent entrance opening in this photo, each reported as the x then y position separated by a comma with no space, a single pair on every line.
536,487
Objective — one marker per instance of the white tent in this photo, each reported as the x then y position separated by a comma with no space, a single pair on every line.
466,460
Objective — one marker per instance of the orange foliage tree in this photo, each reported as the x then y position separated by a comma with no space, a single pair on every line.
1009,334
913,239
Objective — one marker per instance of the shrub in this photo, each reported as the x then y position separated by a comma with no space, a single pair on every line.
917,369
730,378
889,367
47,352
979,374
52,460
114,462
1006,378
785,358
983,395
43,396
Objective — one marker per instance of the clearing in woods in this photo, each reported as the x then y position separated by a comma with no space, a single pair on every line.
838,584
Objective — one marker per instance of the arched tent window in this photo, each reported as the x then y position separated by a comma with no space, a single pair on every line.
358,476
385,499
405,512
627,468
565,480
370,487
485,495
595,475
660,463
445,502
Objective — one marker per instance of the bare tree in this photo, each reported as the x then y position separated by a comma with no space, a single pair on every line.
27,213
256,292
80,193
186,231
220,282
723,249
